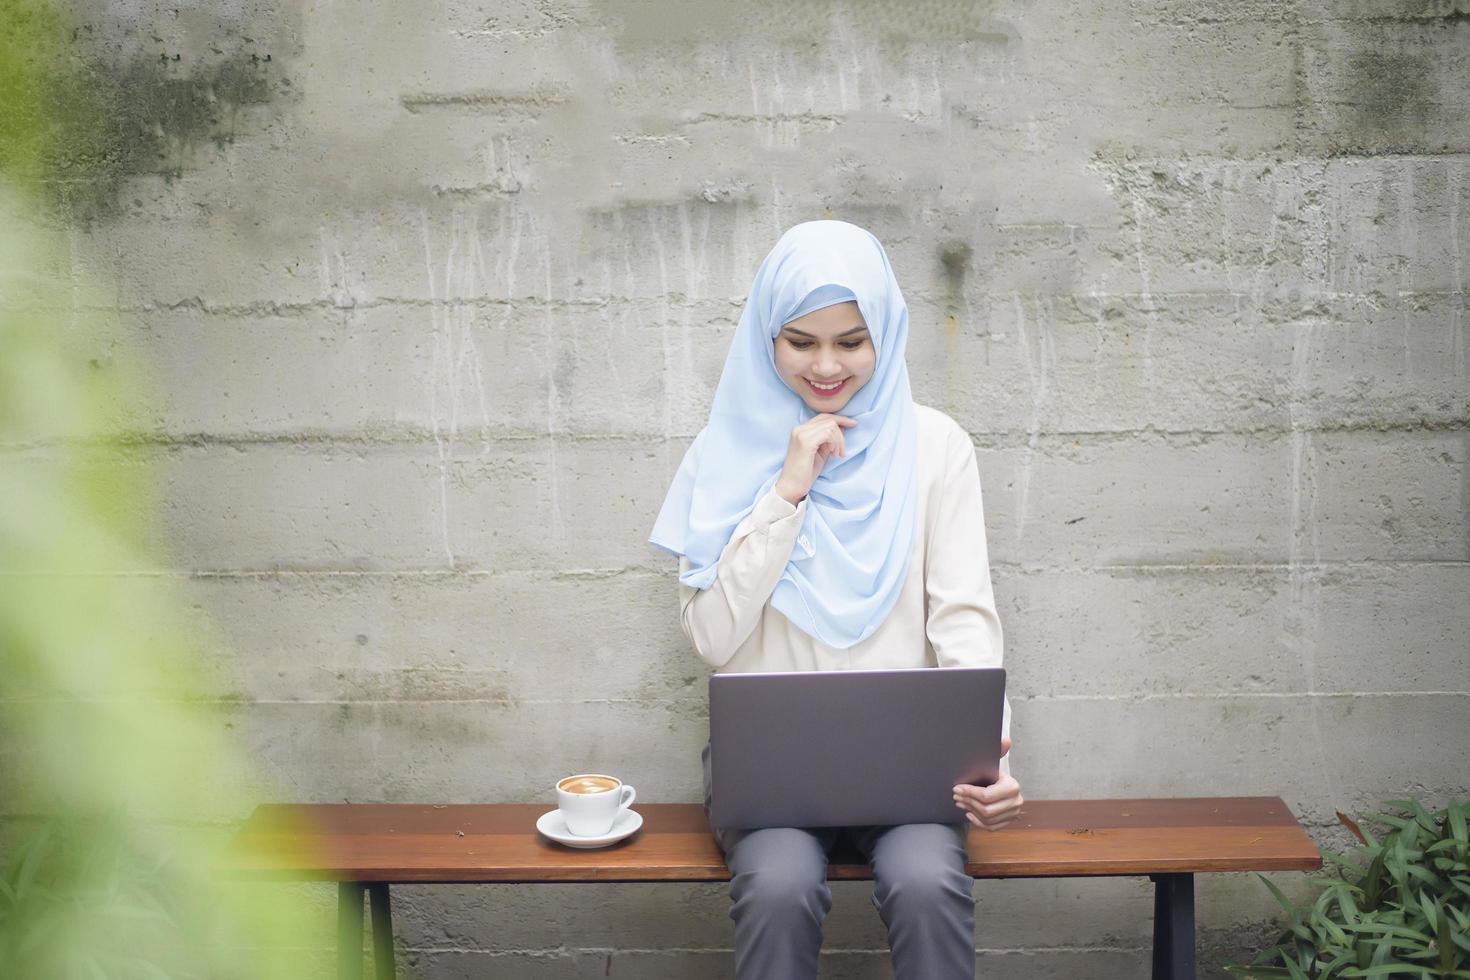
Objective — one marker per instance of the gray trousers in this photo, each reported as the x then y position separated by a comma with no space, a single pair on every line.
780,897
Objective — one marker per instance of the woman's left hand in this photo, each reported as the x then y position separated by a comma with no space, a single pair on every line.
991,807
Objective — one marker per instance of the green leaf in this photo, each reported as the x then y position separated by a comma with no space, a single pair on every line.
1430,824
1388,970
1349,908
1323,923
1280,896
154,970
1343,861
1389,929
1446,944
1381,952
1425,874
30,863
1456,817
1373,882
1430,907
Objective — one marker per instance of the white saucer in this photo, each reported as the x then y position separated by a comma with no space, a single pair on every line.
554,825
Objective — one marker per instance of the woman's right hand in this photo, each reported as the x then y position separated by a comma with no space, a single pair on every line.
811,443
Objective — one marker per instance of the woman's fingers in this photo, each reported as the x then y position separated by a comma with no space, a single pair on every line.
838,437
995,823
991,823
996,819
991,807
988,810
811,443
828,430
831,436
1002,788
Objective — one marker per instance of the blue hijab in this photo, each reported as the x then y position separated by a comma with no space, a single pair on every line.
852,555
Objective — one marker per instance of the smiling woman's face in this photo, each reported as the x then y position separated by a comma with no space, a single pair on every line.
827,346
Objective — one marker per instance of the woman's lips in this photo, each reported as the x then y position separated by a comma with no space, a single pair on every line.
824,392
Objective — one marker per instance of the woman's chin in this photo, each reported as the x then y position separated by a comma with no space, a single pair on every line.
832,406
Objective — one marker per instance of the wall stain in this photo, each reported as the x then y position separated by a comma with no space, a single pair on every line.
112,119
162,109
954,259
652,23
1389,86
1431,12
1393,101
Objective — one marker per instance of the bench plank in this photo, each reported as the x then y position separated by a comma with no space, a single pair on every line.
465,843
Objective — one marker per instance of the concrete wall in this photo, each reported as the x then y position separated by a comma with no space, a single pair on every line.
438,293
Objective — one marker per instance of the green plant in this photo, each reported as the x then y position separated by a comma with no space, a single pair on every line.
120,772
1400,909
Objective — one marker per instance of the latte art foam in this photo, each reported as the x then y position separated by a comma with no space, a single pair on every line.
587,784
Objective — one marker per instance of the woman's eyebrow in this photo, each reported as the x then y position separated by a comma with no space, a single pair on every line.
803,333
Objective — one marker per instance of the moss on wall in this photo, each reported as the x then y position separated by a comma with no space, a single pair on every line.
74,123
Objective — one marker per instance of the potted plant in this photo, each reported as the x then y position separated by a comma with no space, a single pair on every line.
1401,907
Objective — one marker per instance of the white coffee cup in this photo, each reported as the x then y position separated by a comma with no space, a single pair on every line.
590,802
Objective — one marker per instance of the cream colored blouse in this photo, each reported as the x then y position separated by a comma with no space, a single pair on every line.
944,617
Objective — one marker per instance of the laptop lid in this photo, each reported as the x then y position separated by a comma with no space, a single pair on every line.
851,747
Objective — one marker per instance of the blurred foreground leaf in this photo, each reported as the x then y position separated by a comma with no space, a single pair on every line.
119,774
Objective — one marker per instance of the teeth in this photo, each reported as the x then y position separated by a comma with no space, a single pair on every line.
826,387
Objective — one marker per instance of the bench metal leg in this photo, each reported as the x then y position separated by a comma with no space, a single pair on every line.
349,930
1173,927
382,931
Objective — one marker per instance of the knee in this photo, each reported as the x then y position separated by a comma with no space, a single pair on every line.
781,890
924,886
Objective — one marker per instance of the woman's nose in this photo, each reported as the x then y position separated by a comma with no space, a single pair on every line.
827,364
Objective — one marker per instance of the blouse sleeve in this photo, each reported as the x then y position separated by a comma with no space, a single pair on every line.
719,619
962,624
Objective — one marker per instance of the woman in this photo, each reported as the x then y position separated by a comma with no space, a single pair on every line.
824,521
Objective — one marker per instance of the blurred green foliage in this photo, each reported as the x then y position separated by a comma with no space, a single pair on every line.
54,135
120,775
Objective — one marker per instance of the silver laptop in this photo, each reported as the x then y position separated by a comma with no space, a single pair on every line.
851,747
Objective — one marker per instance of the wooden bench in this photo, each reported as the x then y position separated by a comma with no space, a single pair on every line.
367,847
